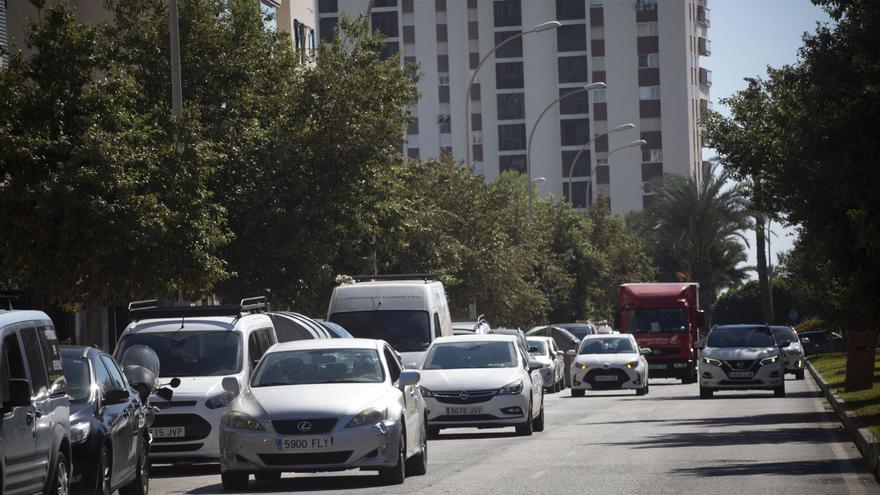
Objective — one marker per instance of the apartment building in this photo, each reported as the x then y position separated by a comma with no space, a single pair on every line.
646,51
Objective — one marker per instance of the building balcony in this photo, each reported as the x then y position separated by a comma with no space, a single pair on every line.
705,47
704,108
703,16
705,77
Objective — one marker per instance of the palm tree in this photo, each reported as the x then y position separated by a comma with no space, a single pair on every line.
695,231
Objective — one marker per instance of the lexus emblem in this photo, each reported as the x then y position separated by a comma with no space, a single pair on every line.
463,395
304,426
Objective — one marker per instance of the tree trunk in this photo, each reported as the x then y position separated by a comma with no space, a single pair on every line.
96,322
763,279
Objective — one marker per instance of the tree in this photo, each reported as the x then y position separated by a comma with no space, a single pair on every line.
101,206
743,304
695,231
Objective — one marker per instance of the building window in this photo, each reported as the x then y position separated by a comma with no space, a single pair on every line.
571,38
570,9
327,6
509,75
572,69
599,96
392,48
270,15
579,197
652,156
649,60
384,3
576,103
510,50
407,6
442,33
598,63
326,26
649,92
443,94
511,137
385,22
515,163
511,106
647,28
581,168
413,127
440,5
507,13
574,131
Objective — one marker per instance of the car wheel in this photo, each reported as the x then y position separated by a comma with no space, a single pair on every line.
577,393
140,485
799,374
538,423
267,475
779,391
706,393
643,390
396,474
61,481
433,432
525,429
103,474
418,464
234,480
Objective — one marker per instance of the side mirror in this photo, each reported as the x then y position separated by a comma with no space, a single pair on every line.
571,353
408,377
231,386
645,351
805,340
535,365
116,396
783,343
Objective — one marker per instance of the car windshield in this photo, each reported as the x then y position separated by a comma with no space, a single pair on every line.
784,333
607,346
466,355
540,345
314,366
78,378
406,331
579,331
741,337
657,320
190,353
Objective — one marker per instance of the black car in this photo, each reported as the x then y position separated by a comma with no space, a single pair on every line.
107,424
821,341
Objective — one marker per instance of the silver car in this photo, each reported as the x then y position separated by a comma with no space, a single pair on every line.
324,405
742,357
544,350
794,353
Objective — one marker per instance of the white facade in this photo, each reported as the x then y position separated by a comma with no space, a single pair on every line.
600,40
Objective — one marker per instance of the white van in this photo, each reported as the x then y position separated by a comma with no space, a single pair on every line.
407,311
201,345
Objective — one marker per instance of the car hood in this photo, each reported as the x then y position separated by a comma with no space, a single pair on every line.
739,353
468,379
194,388
311,401
611,359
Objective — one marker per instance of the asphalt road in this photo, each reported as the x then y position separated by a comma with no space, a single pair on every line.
666,442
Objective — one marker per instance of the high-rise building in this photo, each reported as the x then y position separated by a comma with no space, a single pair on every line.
646,51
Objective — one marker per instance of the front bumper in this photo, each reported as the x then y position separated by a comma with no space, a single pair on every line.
84,455
496,411
601,378
364,447
764,377
201,424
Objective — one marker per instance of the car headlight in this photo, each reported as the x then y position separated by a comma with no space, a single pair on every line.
514,388
581,366
218,401
769,360
369,416
80,431
242,421
632,365
713,362
425,392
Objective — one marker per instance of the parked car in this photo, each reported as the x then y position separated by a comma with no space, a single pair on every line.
34,407
544,350
514,332
200,345
818,342
565,341
610,362
316,405
336,330
294,326
579,330
742,357
794,353
108,429
482,381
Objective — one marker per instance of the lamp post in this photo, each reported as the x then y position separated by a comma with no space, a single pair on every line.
621,127
587,88
467,93
633,144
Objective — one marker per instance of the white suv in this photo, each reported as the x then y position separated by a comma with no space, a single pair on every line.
742,357
201,345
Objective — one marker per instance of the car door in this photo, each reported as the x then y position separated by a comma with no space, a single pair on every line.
41,414
115,418
126,444
411,406
19,447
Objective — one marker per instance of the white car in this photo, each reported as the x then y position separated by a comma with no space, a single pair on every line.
324,405
609,362
742,357
794,353
482,381
544,350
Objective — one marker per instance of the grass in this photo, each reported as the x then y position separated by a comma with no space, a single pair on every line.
865,403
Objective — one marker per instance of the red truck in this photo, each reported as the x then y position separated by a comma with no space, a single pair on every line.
667,319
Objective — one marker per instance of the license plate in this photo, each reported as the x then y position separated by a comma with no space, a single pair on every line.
460,411
307,443
606,378
741,374
168,432
657,366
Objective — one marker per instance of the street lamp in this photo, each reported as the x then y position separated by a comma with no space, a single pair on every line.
621,127
467,93
634,144
587,88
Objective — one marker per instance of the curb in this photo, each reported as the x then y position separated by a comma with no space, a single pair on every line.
867,443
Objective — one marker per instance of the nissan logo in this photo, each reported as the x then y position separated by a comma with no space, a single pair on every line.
304,426
463,395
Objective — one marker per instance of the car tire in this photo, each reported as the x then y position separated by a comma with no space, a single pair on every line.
140,485
395,475
417,465
643,390
799,374
526,428
61,478
779,391
538,423
433,432
234,480
267,475
577,393
706,393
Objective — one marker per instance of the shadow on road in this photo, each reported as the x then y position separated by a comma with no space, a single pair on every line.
476,435
791,468
805,435
183,470
753,420
301,484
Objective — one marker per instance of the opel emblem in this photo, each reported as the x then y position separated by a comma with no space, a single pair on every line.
463,395
304,426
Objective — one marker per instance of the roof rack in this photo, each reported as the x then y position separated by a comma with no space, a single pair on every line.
427,277
149,309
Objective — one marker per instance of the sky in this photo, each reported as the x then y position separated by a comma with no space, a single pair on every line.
747,36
